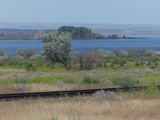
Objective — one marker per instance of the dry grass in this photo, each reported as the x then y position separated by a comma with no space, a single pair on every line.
137,106
11,88
132,108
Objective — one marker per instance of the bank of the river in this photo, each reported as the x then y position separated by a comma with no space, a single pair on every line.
107,44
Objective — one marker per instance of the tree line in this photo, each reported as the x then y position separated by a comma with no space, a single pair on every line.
80,32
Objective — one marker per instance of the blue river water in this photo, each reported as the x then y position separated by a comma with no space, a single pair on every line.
153,42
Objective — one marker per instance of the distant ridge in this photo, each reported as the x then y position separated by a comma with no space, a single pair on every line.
104,29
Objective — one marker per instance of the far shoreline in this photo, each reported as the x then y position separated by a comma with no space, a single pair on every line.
91,39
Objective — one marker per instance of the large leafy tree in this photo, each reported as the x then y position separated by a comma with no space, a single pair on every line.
57,47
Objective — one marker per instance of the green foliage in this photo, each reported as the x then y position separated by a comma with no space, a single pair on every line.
122,63
105,65
90,80
36,57
154,59
5,56
155,63
151,90
113,37
107,54
18,57
14,80
38,79
54,118
57,47
28,66
100,65
124,81
111,65
124,53
80,32
141,63
75,117
14,63
68,80
149,63
137,63
20,80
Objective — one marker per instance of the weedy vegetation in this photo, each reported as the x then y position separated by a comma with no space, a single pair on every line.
61,68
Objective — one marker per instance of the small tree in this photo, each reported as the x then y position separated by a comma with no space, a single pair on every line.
57,47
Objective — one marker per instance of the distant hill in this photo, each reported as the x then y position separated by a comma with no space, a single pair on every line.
104,29
21,31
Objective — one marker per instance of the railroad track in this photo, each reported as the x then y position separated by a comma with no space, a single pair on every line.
70,93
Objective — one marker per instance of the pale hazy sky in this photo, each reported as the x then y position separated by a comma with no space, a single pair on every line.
81,11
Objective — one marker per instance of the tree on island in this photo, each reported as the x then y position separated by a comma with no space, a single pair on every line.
57,47
80,32
113,37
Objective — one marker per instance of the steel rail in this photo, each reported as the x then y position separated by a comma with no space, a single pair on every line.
69,93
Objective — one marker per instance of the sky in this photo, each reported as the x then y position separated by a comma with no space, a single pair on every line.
81,11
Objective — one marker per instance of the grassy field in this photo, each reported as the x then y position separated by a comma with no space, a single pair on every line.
141,105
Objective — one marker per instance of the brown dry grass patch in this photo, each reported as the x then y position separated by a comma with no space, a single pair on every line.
137,108
11,88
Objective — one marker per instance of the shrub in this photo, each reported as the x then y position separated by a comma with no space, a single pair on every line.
124,81
18,88
13,63
25,52
90,80
57,47
141,63
67,80
124,53
36,57
5,56
149,63
86,59
54,118
151,90
106,54
105,65
138,51
152,66
122,63
18,57
19,80
137,63
111,65
28,66
155,63
102,96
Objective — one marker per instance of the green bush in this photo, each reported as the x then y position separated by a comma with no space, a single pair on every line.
105,65
124,81
151,90
141,63
28,66
90,80
14,80
111,65
68,80
149,63
155,63
20,80
137,63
